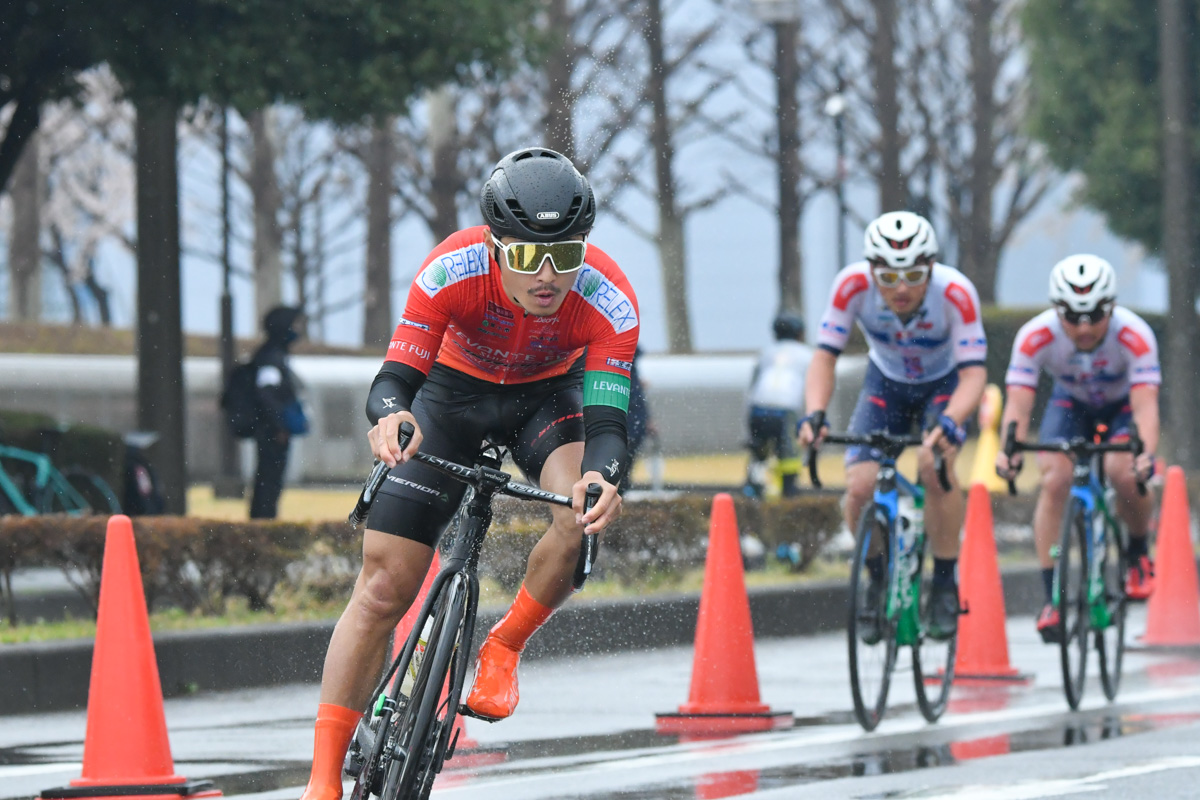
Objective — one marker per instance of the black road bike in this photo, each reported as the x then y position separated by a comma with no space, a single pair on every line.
407,733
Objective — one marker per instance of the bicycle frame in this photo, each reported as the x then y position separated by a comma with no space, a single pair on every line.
903,605
1088,490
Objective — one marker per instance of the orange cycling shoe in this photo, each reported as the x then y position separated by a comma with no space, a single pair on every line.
334,729
1139,582
1047,624
494,694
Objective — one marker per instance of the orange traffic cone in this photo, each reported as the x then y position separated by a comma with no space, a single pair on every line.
126,745
404,628
982,654
724,693
1173,612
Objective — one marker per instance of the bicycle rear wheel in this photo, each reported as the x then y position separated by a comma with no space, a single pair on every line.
871,636
1073,608
424,727
1110,639
933,660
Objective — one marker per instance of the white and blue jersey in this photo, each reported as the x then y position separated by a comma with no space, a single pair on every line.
945,333
1089,388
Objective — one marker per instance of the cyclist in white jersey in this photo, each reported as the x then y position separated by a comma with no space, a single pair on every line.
927,350
775,398
1104,362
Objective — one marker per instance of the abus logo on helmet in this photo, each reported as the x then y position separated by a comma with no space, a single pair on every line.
548,215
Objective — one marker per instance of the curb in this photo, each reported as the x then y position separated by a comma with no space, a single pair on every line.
54,676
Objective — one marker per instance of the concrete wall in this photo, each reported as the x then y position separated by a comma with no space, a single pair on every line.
697,401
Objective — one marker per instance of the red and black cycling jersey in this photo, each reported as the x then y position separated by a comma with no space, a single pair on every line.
459,315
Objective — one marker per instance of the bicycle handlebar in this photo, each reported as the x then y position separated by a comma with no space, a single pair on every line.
881,440
1077,448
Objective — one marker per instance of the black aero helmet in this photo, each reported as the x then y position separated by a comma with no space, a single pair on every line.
537,195
789,325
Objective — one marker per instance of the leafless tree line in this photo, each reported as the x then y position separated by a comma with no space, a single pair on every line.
635,91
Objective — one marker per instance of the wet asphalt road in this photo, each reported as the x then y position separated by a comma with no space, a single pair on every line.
585,729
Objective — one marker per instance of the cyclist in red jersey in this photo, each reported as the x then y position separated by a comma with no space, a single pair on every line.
519,331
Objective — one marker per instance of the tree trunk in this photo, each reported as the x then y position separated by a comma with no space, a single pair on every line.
788,112
893,195
268,234
443,147
560,66
160,391
24,243
671,253
377,301
979,251
1179,368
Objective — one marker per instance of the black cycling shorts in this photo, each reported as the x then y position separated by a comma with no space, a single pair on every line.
457,413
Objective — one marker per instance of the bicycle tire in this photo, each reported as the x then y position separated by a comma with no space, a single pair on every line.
423,727
1110,640
871,663
933,660
1073,608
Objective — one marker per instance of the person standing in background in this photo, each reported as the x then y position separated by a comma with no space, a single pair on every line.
280,415
775,399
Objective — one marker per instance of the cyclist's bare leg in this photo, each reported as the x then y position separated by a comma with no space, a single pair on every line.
494,693
1134,509
391,575
552,561
944,510
860,489
1047,514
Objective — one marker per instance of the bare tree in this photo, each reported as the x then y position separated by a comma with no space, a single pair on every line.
672,126
774,130
379,161
268,234
24,241
90,193
971,122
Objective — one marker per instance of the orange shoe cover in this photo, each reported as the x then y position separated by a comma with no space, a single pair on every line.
1139,582
335,727
494,694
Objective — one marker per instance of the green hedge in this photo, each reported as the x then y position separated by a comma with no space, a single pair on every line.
200,565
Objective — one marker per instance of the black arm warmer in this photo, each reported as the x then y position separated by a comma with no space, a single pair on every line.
605,447
393,390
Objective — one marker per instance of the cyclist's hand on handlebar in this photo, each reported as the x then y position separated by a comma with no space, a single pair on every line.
607,508
946,436
385,438
1144,467
809,437
1008,468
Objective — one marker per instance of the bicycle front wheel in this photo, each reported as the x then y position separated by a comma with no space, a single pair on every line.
1110,638
933,659
426,723
1073,607
871,635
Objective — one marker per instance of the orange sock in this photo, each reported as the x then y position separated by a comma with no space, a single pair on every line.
524,617
335,726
